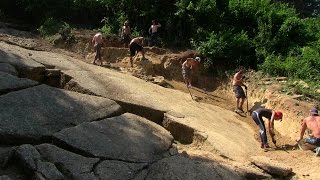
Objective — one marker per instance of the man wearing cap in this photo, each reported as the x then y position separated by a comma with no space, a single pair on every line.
187,69
311,123
271,116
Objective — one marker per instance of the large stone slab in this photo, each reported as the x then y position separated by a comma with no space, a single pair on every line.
24,63
118,170
72,165
122,87
9,83
179,167
7,68
32,114
127,137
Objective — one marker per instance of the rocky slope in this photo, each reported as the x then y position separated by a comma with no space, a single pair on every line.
62,118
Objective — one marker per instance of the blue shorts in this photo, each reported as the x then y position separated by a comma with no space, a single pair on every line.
313,141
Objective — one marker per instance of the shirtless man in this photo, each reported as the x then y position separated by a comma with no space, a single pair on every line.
237,82
136,45
126,34
271,116
187,68
153,30
312,123
97,44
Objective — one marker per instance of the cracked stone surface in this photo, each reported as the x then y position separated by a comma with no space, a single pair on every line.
33,114
71,164
9,83
118,170
144,141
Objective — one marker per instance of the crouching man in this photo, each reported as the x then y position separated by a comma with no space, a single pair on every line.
311,123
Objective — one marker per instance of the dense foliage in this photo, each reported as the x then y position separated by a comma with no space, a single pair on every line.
281,39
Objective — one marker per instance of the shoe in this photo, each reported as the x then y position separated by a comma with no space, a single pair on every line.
317,151
266,146
239,111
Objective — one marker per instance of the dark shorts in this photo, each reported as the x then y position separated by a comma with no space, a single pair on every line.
97,49
313,141
239,92
186,73
126,39
134,47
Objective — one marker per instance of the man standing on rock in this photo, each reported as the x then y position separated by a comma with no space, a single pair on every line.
97,44
237,82
312,123
126,34
153,31
271,116
187,69
136,45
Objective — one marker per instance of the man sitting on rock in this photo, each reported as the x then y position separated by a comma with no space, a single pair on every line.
311,123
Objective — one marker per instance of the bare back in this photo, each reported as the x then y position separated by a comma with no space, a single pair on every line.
313,124
138,40
97,39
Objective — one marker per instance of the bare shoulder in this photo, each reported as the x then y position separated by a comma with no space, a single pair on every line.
236,75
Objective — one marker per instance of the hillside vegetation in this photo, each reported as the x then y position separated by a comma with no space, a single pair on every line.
280,39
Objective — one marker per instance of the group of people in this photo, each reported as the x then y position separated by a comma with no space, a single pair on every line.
135,44
312,122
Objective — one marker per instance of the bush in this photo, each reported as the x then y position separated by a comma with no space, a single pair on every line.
52,26
307,88
274,65
227,48
106,30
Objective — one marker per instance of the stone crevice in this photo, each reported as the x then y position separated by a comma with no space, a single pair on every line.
7,91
